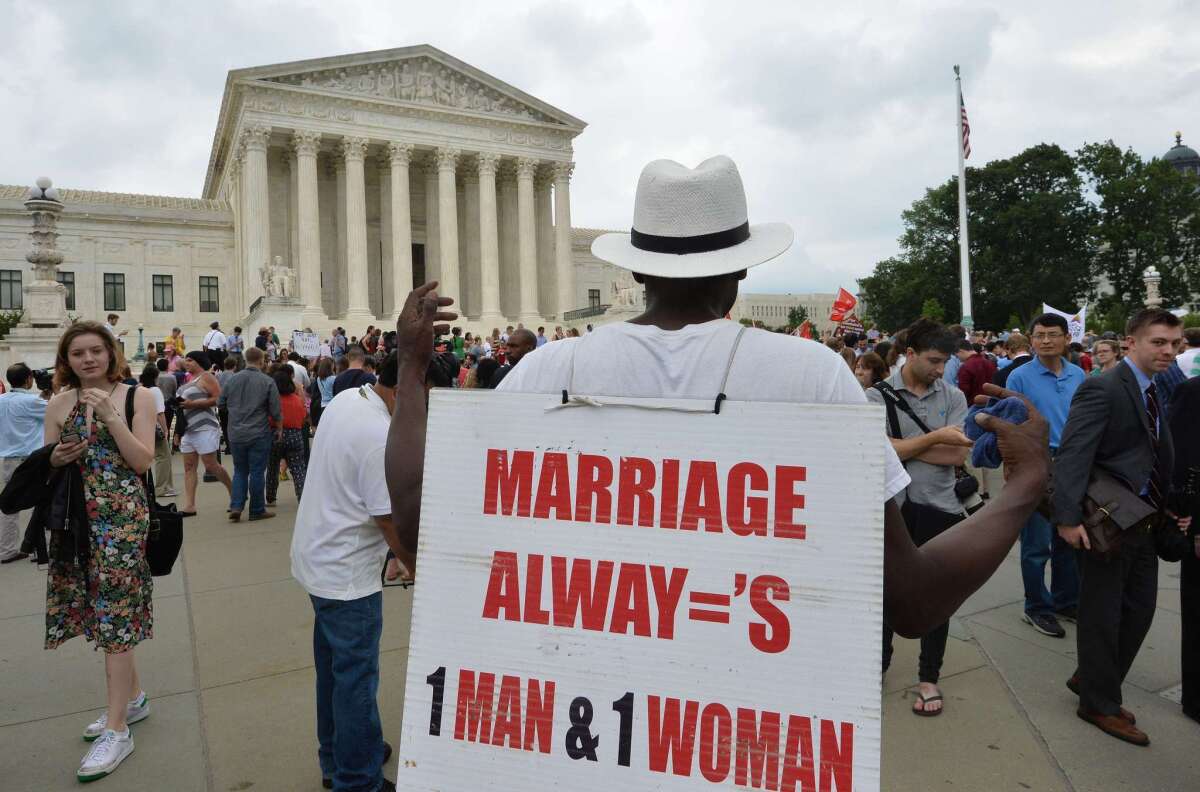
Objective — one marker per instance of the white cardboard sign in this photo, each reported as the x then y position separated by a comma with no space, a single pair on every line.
631,597
306,344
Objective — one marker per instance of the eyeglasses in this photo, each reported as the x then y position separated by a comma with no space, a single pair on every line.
1048,336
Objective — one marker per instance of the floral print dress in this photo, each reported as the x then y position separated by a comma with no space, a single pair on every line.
109,602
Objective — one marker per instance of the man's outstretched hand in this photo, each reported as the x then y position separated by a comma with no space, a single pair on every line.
1023,446
420,320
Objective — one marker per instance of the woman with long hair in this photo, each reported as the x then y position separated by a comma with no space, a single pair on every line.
104,593
289,444
202,432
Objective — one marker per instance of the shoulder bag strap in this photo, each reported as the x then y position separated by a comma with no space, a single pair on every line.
147,480
889,403
893,398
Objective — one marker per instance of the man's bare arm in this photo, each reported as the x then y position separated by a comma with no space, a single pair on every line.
924,586
392,537
945,454
404,461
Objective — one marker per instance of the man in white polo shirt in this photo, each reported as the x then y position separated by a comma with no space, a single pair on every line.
342,536
215,344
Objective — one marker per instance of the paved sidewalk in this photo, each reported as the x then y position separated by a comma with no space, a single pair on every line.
230,677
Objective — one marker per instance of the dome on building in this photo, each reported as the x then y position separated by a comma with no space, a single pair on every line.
1183,157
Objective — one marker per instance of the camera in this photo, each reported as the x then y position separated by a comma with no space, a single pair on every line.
44,379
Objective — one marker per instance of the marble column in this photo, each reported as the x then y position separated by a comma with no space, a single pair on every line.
564,264
402,266
489,243
308,225
527,305
339,269
470,232
433,242
449,284
256,224
354,152
547,283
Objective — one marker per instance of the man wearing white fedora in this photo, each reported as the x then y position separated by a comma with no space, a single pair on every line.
690,245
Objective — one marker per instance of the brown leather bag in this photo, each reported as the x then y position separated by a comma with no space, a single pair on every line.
1110,508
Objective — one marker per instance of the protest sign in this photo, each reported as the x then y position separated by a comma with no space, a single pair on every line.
634,596
851,324
306,344
1076,322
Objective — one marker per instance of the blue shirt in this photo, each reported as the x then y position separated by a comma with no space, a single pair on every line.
1051,393
22,423
950,375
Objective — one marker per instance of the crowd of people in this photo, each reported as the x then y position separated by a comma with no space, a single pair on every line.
347,427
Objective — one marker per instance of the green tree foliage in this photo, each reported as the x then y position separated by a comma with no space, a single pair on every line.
932,309
797,316
1149,214
1031,234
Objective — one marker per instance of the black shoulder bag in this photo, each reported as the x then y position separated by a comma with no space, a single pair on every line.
965,485
165,537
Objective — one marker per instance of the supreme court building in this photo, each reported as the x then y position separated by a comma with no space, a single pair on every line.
333,186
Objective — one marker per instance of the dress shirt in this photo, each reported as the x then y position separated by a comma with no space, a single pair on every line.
22,423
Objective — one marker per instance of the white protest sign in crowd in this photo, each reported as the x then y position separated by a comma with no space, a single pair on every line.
1076,322
306,344
636,598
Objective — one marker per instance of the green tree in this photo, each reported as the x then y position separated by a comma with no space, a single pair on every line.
932,309
797,316
1031,241
1149,214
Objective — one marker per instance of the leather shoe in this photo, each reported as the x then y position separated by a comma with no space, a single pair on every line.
1073,686
1115,726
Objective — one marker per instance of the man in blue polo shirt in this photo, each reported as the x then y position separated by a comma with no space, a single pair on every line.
1049,381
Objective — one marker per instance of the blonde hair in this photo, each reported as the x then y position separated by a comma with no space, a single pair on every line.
64,375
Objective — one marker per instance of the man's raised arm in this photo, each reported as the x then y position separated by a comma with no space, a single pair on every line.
404,463
924,586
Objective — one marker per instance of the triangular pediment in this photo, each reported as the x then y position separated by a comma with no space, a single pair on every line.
418,75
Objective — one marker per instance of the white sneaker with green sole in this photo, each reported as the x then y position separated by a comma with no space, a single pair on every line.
137,710
106,753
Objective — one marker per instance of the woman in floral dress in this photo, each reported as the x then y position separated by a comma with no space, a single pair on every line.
106,599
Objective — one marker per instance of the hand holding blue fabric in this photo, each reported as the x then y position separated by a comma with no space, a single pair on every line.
986,452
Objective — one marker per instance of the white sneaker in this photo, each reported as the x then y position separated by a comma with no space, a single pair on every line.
136,710
105,754
168,493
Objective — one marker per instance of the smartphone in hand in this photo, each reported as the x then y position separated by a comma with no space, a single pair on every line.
71,435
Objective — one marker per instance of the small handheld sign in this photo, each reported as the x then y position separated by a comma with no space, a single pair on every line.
646,594
306,344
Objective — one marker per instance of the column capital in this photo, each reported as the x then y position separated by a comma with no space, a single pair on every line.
447,158
254,138
400,153
526,167
354,148
543,177
306,142
487,161
563,171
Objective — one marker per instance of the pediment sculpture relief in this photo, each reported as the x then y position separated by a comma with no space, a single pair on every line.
420,80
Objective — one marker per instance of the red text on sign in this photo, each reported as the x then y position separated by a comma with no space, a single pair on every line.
505,718
543,485
753,746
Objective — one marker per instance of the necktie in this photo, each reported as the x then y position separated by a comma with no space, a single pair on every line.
1154,486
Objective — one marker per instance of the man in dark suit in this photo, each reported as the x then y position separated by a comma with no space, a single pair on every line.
1019,352
1184,417
1116,424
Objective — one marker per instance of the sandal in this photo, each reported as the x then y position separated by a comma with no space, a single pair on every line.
924,701
187,514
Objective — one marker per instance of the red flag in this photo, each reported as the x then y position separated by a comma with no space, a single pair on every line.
843,304
805,329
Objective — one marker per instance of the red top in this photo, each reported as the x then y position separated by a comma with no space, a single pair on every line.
973,374
294,411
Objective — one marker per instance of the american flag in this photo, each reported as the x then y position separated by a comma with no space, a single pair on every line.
966,128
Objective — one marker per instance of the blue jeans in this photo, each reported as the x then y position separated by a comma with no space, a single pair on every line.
249,472
346,651
1040,542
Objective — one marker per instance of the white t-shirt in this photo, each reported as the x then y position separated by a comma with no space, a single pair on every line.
160,404
624,359
214,340
1189,361
337,549
300,375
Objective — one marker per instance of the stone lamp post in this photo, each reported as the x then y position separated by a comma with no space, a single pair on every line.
140,355
1152,280
45,297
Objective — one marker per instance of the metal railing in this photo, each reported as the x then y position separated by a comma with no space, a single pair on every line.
584,313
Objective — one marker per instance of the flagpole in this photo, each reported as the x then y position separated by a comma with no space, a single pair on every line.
963,256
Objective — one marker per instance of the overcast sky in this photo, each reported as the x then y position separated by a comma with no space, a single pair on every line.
839,116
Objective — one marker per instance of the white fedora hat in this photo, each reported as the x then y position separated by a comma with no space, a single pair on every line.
692,223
